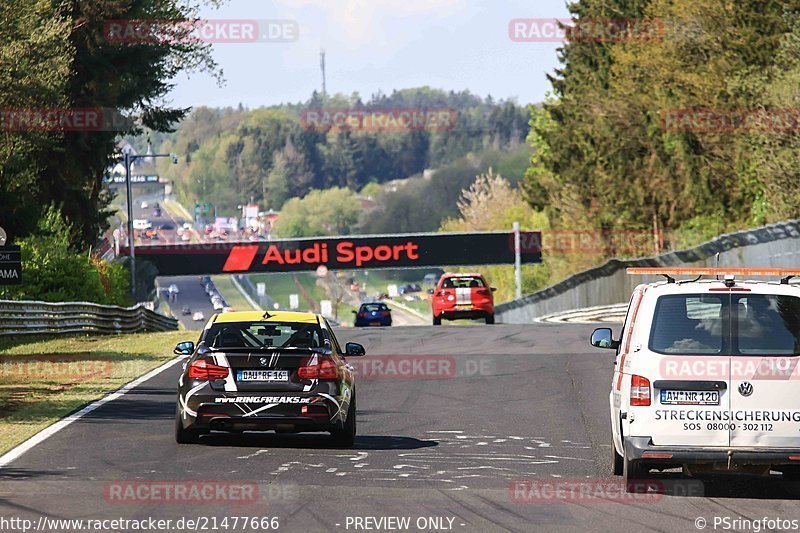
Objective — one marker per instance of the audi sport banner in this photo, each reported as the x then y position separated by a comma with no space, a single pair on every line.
342,253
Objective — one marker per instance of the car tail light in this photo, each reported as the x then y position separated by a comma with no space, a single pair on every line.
201,369
484,292
326,369
640,391
385,313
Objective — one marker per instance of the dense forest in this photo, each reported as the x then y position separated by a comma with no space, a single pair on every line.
270,155
609,153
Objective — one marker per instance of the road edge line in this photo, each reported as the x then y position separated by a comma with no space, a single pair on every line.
247,297
49,431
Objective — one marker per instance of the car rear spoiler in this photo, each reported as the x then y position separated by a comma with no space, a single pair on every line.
727,273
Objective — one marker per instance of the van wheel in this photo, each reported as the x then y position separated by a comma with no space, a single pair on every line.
617,461
633,473
437,321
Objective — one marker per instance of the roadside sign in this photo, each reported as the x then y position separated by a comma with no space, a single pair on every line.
10,265
294,301
261,289
3,237
331,254
326,308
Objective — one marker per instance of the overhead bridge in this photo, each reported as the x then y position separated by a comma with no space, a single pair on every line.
342,253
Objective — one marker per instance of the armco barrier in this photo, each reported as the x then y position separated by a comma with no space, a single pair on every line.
31,317
775,245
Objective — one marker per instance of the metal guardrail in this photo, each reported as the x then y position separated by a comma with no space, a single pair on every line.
773,245
25,317
591,315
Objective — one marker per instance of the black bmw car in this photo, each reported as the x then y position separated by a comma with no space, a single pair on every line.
254,371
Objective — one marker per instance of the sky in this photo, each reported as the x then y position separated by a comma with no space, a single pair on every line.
377,45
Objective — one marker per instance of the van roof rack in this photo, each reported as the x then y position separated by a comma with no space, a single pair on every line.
669,272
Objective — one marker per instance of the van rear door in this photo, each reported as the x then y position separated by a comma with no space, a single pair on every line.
689,405
765,398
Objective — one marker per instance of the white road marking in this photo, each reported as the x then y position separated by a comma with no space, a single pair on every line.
256,454
49,431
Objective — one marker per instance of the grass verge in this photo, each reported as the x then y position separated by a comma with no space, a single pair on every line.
231,294
43,380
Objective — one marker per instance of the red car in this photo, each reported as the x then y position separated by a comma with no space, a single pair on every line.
462,296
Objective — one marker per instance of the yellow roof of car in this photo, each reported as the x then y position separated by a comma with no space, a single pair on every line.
274,316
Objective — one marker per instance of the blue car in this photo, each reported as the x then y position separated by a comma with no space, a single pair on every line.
373,315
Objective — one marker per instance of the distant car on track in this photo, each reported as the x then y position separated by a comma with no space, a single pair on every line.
280,371
186,311
173,289
373,314
462,296
145,205
198,316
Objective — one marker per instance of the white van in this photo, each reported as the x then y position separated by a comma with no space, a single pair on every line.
706,375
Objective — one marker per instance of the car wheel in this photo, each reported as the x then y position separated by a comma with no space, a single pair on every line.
183,435
633,472
490,319
346,437
616,464
437,321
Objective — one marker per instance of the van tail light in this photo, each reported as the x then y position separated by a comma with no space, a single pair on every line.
325,369
640,391
201,369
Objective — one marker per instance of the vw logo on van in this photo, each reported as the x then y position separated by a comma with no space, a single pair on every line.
746,389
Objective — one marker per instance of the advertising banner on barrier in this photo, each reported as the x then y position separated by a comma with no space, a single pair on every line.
342,253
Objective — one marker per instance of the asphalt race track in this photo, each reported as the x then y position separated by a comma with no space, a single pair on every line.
498,404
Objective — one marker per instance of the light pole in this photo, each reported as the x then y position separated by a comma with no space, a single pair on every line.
129,159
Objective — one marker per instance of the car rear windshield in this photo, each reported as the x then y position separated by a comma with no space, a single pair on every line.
264,335
463,282
374,307
723,324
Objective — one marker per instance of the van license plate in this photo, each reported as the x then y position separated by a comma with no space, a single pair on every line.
690,397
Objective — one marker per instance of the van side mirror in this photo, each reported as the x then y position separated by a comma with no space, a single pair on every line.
603,338
184,348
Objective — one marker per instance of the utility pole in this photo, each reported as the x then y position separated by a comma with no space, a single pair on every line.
517,262
322,67
131,252
129,159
